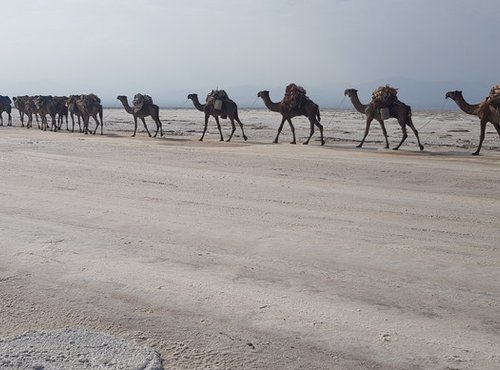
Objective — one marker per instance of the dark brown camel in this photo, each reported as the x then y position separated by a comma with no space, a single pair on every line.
31,109
308,109
20,104
46,106
229,109
398,110
483,110
73,111
147,110
62,111
5,107
89,105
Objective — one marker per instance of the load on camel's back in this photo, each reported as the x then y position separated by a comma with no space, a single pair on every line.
294,96
140,100
5,107
217,98
494,98
383,98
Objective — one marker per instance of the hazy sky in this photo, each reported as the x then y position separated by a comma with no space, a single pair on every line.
169,48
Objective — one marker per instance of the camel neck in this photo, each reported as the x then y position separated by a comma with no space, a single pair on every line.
197,104
127,107
275,107
466,107
360,107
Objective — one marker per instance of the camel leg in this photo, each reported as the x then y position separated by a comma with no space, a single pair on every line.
86,120
145,126
384,131
367,129
233,128
207,116
79,124
311,132
481,138
410,123
10,120
158,126
279,130
320,127
294,141
218,127
96,124
241,126
405,135
135,125
497,127
54,124
102,122
21,116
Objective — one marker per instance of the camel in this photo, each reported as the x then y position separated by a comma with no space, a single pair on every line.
308,109
62,111
46,105
31,109
229,109
20,104
5,107
148,109
483,110
399,110
74,111
88,106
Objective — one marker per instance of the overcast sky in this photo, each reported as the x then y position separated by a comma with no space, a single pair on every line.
172,47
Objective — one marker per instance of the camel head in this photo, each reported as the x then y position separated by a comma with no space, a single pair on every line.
71,100
453,94
262,94
192,96
350,92
121,98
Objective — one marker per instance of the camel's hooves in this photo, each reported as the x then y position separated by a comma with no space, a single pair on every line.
305,143
293,142
245,138
275,142
421,147
361,145
395,148
322,143
475,153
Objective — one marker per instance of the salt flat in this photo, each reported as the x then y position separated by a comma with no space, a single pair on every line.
256,255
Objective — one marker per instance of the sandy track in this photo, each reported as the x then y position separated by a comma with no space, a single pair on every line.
254,255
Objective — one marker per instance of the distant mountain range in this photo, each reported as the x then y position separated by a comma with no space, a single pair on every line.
416,93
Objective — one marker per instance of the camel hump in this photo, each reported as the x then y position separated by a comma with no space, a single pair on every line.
93,97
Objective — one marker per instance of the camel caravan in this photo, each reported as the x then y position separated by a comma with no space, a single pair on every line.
383,105
58,108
